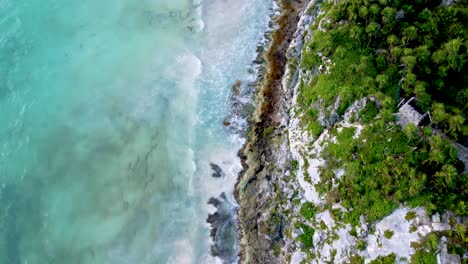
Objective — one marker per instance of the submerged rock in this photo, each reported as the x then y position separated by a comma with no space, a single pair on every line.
224,229
217,171
235,87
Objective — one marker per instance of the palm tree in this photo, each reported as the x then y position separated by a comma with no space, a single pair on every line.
389,16
447,176
437,153
392,40
455,60
438,113
411,131
372,29
456,123
409,33
382,80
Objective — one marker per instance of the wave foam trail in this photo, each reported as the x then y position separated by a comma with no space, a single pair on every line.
229,46
199,24
181,119
184,255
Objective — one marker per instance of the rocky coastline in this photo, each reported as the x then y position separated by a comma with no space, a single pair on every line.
256,189
282,166
224,223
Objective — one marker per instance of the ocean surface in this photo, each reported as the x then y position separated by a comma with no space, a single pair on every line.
111,112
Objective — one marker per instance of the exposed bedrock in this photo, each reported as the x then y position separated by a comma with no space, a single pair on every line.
261,233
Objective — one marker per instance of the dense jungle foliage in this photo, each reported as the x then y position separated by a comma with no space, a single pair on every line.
397,48
391,50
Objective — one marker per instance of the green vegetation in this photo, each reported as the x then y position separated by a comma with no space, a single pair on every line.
268,131
308,210
306,238
361,244
389,259
426,250
277,250
313,125
391,50
369,112
424,257
356,260
410,215
388,234
458,239
315,128
383,168
294,165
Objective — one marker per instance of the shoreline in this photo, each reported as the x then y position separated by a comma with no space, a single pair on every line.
254,180
238,122
284,215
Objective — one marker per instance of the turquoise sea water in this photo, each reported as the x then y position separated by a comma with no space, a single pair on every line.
110,114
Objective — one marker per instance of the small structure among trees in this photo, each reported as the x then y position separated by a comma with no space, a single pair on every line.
410,113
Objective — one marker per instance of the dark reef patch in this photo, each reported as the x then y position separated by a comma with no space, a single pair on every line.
224,229
217,171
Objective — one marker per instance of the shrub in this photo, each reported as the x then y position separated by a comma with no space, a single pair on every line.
410,215
388,234
361,244
356,259
308,210
315,128
268,131
389,259
306,238
294,165
423,256
369,112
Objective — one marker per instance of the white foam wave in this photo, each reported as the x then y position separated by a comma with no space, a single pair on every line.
227,159
187,69
185,253
199,24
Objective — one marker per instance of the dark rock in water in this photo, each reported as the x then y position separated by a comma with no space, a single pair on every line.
213,220
226,122
236,86
225,245
214,201
217,171
224,229
260,48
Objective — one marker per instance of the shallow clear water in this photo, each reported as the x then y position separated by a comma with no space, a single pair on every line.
110,114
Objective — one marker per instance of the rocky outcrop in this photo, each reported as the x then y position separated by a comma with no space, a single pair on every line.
217,171
261,229
282,164
223,229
